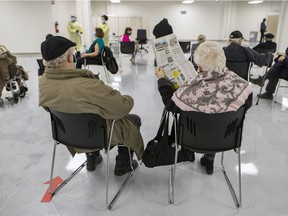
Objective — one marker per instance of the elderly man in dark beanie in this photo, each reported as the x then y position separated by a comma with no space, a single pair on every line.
268,44
66,89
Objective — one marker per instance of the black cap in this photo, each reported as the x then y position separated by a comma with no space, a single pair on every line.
269,36
55,46
236,34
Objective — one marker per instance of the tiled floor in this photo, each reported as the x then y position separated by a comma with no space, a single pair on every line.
26,150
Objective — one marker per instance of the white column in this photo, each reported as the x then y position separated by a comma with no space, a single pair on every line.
83,13
282,31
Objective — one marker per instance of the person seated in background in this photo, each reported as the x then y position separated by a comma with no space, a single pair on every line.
268,44
214,90
64,88
8,68
162,29
277,71
126,38
93,55
200,39
235,52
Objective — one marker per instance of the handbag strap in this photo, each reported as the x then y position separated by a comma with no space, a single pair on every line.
164,125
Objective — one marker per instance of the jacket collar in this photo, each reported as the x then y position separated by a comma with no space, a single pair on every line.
63,73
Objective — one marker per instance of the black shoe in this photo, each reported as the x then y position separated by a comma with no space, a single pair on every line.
93,160
265,96
257,81
122,169
208,164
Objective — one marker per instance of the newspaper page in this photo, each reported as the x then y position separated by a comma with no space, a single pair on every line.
171,59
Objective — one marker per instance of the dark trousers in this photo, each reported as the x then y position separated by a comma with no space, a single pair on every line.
123,152
89,60
273,75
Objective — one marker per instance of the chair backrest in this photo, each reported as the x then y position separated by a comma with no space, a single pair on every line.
211,133
242,69
142,35
127,47
185,46
81,130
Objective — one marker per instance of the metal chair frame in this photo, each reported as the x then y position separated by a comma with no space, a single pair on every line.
110,204
172,174
276,93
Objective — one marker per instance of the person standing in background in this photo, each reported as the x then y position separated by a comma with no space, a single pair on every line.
75,31
263,28
105,27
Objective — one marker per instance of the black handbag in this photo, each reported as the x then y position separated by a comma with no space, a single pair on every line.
109,60
160,151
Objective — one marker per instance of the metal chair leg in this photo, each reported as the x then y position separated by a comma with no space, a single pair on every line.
52,167
67,179
263,82
173,167
238,201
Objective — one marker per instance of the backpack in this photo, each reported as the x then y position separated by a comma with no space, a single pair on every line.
109,60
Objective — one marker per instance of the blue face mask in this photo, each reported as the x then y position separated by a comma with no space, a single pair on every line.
103,21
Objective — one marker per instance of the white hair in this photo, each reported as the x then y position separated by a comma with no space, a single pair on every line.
57,62
210,56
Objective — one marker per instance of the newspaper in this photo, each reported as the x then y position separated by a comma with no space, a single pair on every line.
171,59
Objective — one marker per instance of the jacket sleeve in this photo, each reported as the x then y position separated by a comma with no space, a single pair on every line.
111,102
259,59
166,91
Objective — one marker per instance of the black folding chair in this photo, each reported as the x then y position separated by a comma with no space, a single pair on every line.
142,38
127,47
83,131
100,61
185,46
210,133
242,69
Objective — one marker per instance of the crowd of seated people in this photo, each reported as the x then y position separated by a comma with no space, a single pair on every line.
200,94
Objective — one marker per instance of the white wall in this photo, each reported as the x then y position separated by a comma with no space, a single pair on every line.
24,25
209,18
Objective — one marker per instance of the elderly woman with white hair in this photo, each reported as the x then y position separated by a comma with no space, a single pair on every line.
214,90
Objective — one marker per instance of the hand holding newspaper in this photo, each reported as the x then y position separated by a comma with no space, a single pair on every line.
171,59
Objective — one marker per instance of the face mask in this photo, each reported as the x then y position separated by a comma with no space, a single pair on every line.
103,21
129,33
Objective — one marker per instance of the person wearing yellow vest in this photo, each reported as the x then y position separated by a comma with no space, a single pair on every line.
75,31
105,27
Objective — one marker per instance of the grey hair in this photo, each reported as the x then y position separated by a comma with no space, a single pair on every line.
57,62
210,56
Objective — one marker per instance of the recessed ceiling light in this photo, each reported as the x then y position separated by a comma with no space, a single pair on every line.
187,1
115,1
255,2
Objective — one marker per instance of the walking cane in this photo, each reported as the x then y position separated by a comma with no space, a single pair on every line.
262,84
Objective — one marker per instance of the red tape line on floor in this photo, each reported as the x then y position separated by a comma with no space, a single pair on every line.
55,182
